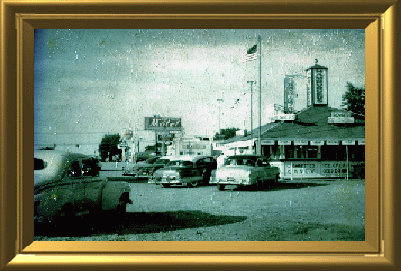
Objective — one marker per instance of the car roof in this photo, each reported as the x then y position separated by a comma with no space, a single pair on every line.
165,157
55,163
246,156
192,158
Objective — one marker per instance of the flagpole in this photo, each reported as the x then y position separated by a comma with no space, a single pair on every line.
259,150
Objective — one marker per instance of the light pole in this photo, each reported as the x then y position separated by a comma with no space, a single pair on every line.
220,101
251,82
259,150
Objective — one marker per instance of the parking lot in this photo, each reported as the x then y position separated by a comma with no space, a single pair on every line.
292,210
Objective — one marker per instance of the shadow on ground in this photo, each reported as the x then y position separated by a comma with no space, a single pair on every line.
275,187
134,223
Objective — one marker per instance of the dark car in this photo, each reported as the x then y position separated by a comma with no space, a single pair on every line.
147,168
68,184
185,170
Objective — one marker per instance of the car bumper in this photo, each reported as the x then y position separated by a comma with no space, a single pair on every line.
172,181
230,181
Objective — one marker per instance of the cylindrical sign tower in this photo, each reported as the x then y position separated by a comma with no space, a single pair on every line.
317,85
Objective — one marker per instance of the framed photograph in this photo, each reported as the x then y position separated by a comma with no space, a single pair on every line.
278,119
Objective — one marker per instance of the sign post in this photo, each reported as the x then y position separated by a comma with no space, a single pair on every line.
162,125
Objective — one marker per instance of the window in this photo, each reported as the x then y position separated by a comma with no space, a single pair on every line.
90,167
313,152
74,170
262,163
39,164
289,152
271,151
329,153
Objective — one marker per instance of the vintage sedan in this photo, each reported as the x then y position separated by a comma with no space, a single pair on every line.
245,170
68,185
185,170
146,169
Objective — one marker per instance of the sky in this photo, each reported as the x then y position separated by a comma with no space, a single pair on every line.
92,82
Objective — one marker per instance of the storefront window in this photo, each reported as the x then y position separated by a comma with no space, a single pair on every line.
271,151
289,152
301,152
330,152
313,152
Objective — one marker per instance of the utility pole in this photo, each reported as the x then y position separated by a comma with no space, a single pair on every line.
220,101
251,82
259,147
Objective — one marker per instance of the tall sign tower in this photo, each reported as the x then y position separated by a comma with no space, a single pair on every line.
317,86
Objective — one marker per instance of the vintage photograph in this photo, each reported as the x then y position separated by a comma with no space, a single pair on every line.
199,135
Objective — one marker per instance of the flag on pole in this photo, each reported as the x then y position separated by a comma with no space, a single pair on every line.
251,54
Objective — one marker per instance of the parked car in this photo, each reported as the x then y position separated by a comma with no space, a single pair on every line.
68,184
146,169
185,170
245,170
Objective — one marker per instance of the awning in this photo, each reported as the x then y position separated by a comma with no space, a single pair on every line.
332,142
348,142
267,142
284,142
301,142
317,142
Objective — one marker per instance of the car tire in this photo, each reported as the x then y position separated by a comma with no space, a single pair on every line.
65,217
276,179
205,177
259,184
165,185
122,208
221,187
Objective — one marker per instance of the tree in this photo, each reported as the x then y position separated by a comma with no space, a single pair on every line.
354,100
108,147
225,133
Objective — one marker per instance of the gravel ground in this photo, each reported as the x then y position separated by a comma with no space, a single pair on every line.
291,211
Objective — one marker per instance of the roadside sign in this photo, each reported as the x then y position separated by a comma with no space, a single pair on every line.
163,124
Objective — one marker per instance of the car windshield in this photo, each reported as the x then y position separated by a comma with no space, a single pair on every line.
181,163
240,161
162,161
39,164
152,160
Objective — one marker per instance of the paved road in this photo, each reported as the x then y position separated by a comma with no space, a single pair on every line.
296,210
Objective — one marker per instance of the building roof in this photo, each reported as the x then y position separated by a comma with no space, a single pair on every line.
312,123
265,128
317,66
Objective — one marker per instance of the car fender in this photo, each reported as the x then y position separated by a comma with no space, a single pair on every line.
111,194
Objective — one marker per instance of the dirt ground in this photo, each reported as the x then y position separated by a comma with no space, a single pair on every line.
291,211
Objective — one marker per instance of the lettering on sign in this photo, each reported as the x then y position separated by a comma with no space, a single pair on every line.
348,142
193,146
284,142
318,169
317,142
340,120
320,87
285,117
267,142
333,142
340,114
300,142
162,124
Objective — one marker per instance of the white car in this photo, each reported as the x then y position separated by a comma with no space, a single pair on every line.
245,170
68,184
185,170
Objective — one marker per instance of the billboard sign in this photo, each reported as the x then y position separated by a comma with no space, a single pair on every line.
319,86
163,124
340,120
285,117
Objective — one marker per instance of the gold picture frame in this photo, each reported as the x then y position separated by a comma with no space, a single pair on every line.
381,248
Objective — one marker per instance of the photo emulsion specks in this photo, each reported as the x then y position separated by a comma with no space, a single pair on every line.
199,135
